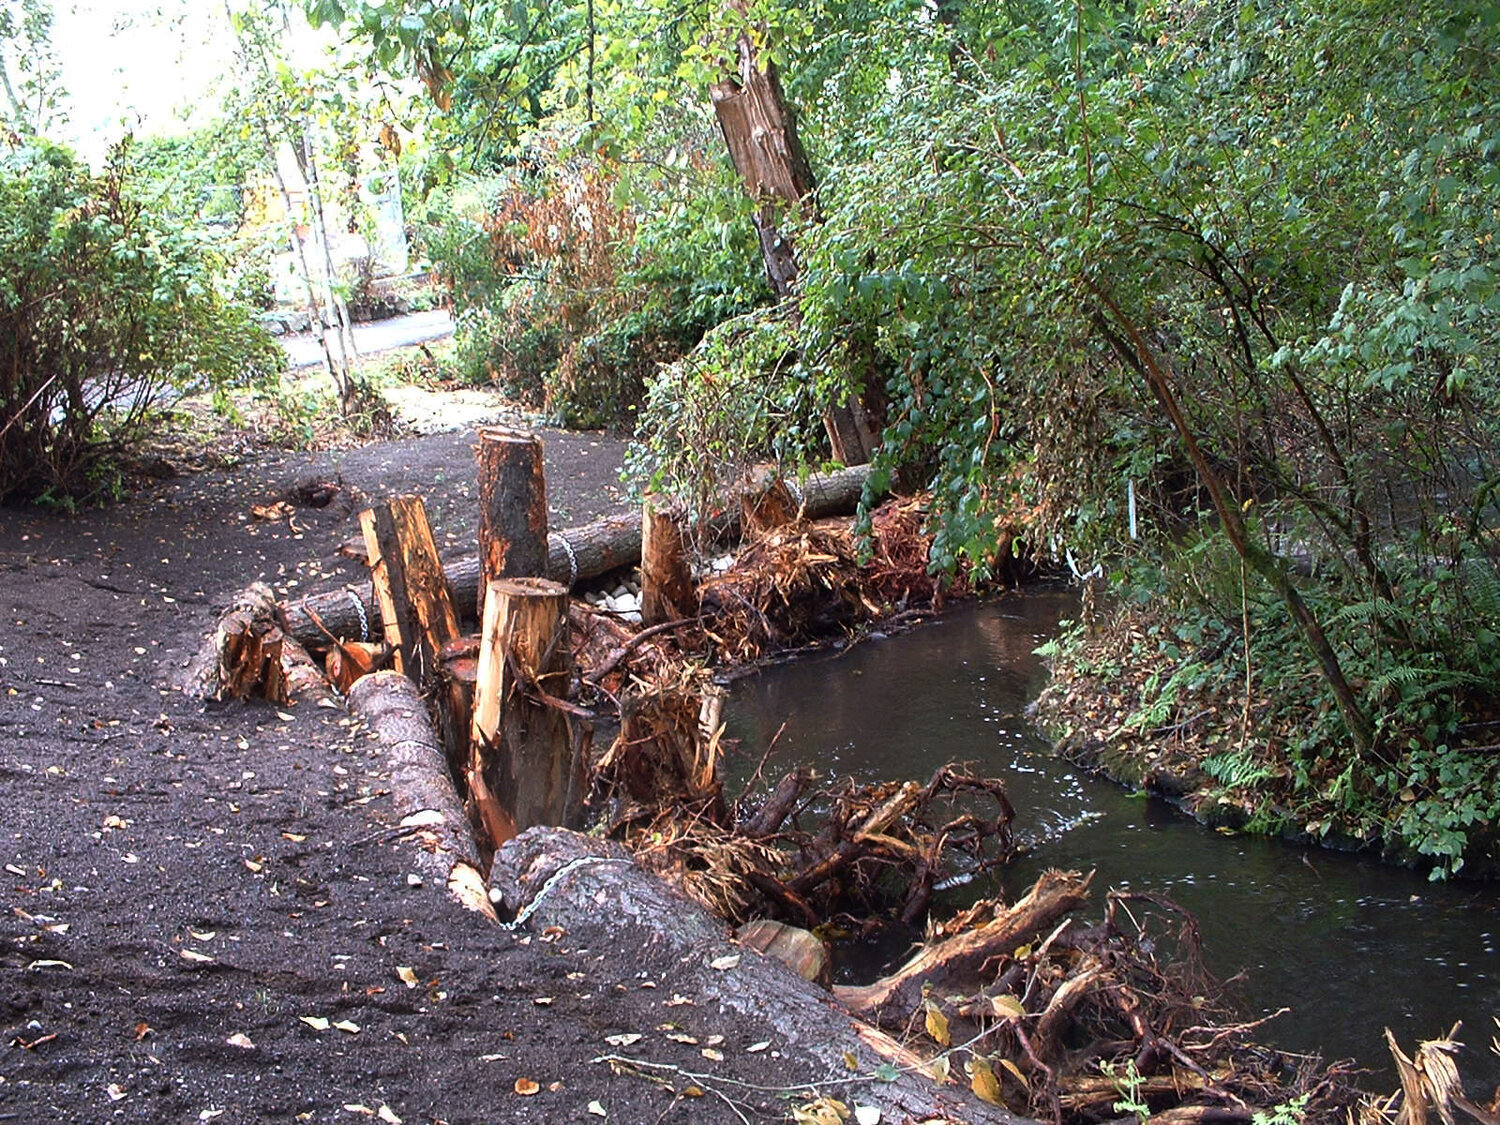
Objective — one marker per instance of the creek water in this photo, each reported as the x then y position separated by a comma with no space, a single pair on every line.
1351,946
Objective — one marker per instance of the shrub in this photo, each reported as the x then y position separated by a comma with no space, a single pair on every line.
105,314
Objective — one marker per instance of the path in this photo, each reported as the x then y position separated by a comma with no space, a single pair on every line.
374,336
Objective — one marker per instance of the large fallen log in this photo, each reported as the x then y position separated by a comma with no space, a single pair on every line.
595,892
573,555
431,816
955,962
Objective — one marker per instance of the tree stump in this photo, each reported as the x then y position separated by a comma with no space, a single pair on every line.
512,507
525,768
416,603
666,582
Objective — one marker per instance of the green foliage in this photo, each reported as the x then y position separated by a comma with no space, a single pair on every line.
31,93
106,311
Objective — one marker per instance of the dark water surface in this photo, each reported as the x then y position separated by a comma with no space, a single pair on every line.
1351,946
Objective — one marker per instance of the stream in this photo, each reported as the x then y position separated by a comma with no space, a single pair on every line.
1350,945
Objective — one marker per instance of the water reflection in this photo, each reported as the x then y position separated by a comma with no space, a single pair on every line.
1351,946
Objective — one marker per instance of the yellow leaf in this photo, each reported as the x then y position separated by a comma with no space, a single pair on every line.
937,1026
983,1082
1022,952
1016,1073
850,1060
938,1069
692,1092
1007,1007
317,1023
406,973
526,1087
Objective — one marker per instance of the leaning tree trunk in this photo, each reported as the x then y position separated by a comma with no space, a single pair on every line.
760,130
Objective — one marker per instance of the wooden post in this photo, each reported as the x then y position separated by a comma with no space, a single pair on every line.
523,769
416,604
512,507
666,582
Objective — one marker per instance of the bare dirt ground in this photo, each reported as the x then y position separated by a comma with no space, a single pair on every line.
205,916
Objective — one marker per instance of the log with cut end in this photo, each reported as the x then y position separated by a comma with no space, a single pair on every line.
416,603
573,555
952,964
432,819
595,892
667,592
241,658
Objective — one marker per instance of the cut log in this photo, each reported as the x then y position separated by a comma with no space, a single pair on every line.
524,767
573,555
512,507
416,604
594,892
666,583
955,962
241,658
424,799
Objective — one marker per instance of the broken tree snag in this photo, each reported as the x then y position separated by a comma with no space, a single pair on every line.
416,603
525,767
666,582
593,890
512,507
766,504
431,817
241,658
946,965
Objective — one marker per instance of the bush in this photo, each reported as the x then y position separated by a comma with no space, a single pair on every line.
105,313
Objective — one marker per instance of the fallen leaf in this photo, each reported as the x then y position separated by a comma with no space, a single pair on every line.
1007,1007
142,1030
714,1041
938,1069
597,1109
677,1001
983,1082
388,1115
622,1040
757,1048
253,866
348,1027
115,1091
48,964
727,962
317,1023
294,837
851,1060
35,1043
355,1107
1016,1073
407,974
937,1026
542,1001
867,1115
679,1037
712,1055
492,1058
194,956
209,1114
526,1087
203,935
692,1092
241,1040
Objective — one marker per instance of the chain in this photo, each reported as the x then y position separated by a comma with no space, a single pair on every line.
572,559
359,608
573,865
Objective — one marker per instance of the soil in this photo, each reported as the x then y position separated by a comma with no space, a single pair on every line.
190,890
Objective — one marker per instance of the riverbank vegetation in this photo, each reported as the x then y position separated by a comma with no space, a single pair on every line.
1198,298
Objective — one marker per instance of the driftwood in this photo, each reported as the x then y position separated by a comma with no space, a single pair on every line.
593,891
956,961
431,816
573,555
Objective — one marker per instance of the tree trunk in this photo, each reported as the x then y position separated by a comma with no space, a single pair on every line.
512,507
760,130
524,767
416,604
667,592
594,891
421,786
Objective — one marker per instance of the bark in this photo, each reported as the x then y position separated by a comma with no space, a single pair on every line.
558,877
525,768
667,591
431,817
949,964
241,658
416,603
573,555
512,507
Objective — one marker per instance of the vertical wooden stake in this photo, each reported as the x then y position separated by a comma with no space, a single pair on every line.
416,604
512,507
523,766
666,582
